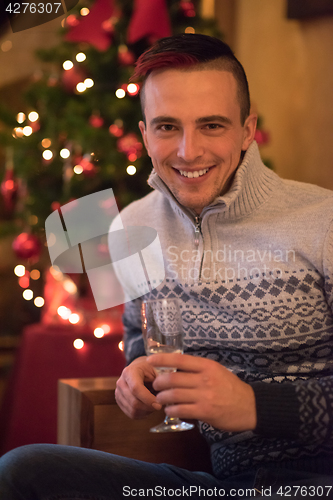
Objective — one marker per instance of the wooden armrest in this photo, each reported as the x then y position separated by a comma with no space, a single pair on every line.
89,416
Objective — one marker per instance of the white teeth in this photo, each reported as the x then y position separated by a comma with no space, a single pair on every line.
196,173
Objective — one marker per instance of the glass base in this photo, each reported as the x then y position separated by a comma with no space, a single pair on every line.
172,425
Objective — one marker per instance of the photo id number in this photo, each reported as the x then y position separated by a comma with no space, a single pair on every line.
305,491
33,8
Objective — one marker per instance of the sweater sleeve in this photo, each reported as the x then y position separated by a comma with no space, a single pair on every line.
133,340
301,410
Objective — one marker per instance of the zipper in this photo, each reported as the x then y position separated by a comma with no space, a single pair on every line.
197,230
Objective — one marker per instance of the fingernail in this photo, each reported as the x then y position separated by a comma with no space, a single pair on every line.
156,406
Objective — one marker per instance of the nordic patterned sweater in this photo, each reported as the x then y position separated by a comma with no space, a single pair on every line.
254,277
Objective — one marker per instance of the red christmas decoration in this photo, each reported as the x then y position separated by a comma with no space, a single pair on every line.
96,121
150,20
89,169
130,145
125,56
116,130
262,137
9,187
27,246
71,77
90,28
188,8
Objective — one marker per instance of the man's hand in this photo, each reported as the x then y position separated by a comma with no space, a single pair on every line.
135,400
204,390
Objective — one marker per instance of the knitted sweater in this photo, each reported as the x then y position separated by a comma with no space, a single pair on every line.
254,277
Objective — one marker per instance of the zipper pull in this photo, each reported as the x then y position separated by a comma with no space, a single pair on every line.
197,230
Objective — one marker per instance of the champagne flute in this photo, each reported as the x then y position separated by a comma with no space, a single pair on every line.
162,333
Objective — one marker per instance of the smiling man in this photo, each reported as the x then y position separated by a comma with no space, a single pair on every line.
249,256
193,131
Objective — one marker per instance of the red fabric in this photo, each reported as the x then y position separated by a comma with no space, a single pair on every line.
29,411
150,20
90,30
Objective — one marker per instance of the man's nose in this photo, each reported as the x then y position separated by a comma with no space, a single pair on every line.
190,147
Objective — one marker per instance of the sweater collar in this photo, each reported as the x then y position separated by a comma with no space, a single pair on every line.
252,185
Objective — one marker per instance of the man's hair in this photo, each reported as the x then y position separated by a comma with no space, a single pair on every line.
197,51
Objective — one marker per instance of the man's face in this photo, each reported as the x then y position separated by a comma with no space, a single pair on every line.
193,132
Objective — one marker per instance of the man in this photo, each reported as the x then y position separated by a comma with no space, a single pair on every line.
250,258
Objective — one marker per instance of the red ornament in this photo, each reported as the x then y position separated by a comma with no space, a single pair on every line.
71,77
90,28
115,130
9,187
55,205
27,246
125,56
262,137
188,8
96,121
129,144
150,20
89,169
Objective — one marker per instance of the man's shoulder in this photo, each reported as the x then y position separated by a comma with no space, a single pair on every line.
306,194
143,207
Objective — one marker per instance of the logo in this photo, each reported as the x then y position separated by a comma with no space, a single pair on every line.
128,267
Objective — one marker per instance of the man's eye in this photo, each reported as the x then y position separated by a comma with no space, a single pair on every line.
213,126
166,127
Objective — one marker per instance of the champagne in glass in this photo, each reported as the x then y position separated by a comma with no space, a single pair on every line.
162,333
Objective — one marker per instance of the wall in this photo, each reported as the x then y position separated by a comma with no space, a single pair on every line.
290,71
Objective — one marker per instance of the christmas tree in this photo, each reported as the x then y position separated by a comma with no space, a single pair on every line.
78,133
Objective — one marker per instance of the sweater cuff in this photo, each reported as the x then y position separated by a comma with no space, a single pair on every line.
277,410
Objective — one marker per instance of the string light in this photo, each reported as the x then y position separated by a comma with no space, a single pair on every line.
65,153
67,65
33,116
81,87
121,345
74,318
78,343
133,88
89,82
18,132
64,312
120,93
69,286
19,270
46,143
131,169
99,333
35,274
78,169
190,30
85,11
20,118
80,57
106,328
47,154
39,301
28,294
27,130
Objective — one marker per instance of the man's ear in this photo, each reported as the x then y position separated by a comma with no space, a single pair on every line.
250,127
143,131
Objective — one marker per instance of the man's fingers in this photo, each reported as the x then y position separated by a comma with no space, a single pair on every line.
182,362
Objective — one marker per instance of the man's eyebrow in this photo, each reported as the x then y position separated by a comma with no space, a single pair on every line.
164,119
214,118
204,119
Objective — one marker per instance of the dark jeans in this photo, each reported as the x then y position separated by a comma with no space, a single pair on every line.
49,472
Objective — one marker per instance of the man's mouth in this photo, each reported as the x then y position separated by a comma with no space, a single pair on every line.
194,173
